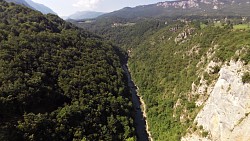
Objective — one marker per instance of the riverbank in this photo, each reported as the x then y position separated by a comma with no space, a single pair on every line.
140,119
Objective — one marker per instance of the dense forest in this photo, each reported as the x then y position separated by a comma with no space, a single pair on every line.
59,82
165,80
168,56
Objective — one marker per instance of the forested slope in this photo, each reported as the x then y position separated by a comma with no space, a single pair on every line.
58,82
175,64
166,79
167,65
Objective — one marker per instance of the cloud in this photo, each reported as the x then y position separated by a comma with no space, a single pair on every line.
87,4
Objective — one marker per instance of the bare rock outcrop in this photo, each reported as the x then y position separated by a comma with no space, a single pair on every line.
183,35
225,114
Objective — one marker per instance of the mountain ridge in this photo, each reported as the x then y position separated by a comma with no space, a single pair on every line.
185,8
40,7
33,5
85,15
20,2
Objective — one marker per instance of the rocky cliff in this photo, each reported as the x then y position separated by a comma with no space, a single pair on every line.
214,4
225,115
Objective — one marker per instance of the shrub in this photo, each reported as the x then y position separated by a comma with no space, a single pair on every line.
246,57
246,77
204,134
216,69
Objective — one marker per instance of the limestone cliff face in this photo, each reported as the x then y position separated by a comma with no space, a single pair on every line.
225,114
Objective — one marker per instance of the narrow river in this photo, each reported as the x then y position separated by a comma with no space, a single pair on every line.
139,119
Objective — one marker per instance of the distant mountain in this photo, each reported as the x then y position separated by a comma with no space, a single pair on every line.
21,2
33,5
185,8
40,7
85,15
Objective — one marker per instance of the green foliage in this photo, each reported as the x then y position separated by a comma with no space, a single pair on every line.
58,82
131,139
216,69
246,77
246,56
242,26
163,79
127,36
165,70
204,134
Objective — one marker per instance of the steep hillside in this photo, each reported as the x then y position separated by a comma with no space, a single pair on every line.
58,82
188,73
177,69
225,113
125,33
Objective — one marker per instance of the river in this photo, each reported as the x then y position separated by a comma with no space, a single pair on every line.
141,126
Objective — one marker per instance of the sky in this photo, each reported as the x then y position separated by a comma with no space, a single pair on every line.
68,7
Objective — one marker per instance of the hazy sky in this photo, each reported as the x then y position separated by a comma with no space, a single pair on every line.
67,7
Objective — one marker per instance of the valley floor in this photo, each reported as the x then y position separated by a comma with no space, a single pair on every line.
142,129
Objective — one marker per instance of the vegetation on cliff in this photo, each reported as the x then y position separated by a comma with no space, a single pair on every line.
168,57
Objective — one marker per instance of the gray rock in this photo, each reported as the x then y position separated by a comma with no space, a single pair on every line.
225,113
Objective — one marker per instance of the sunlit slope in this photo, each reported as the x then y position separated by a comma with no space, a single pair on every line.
177,67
